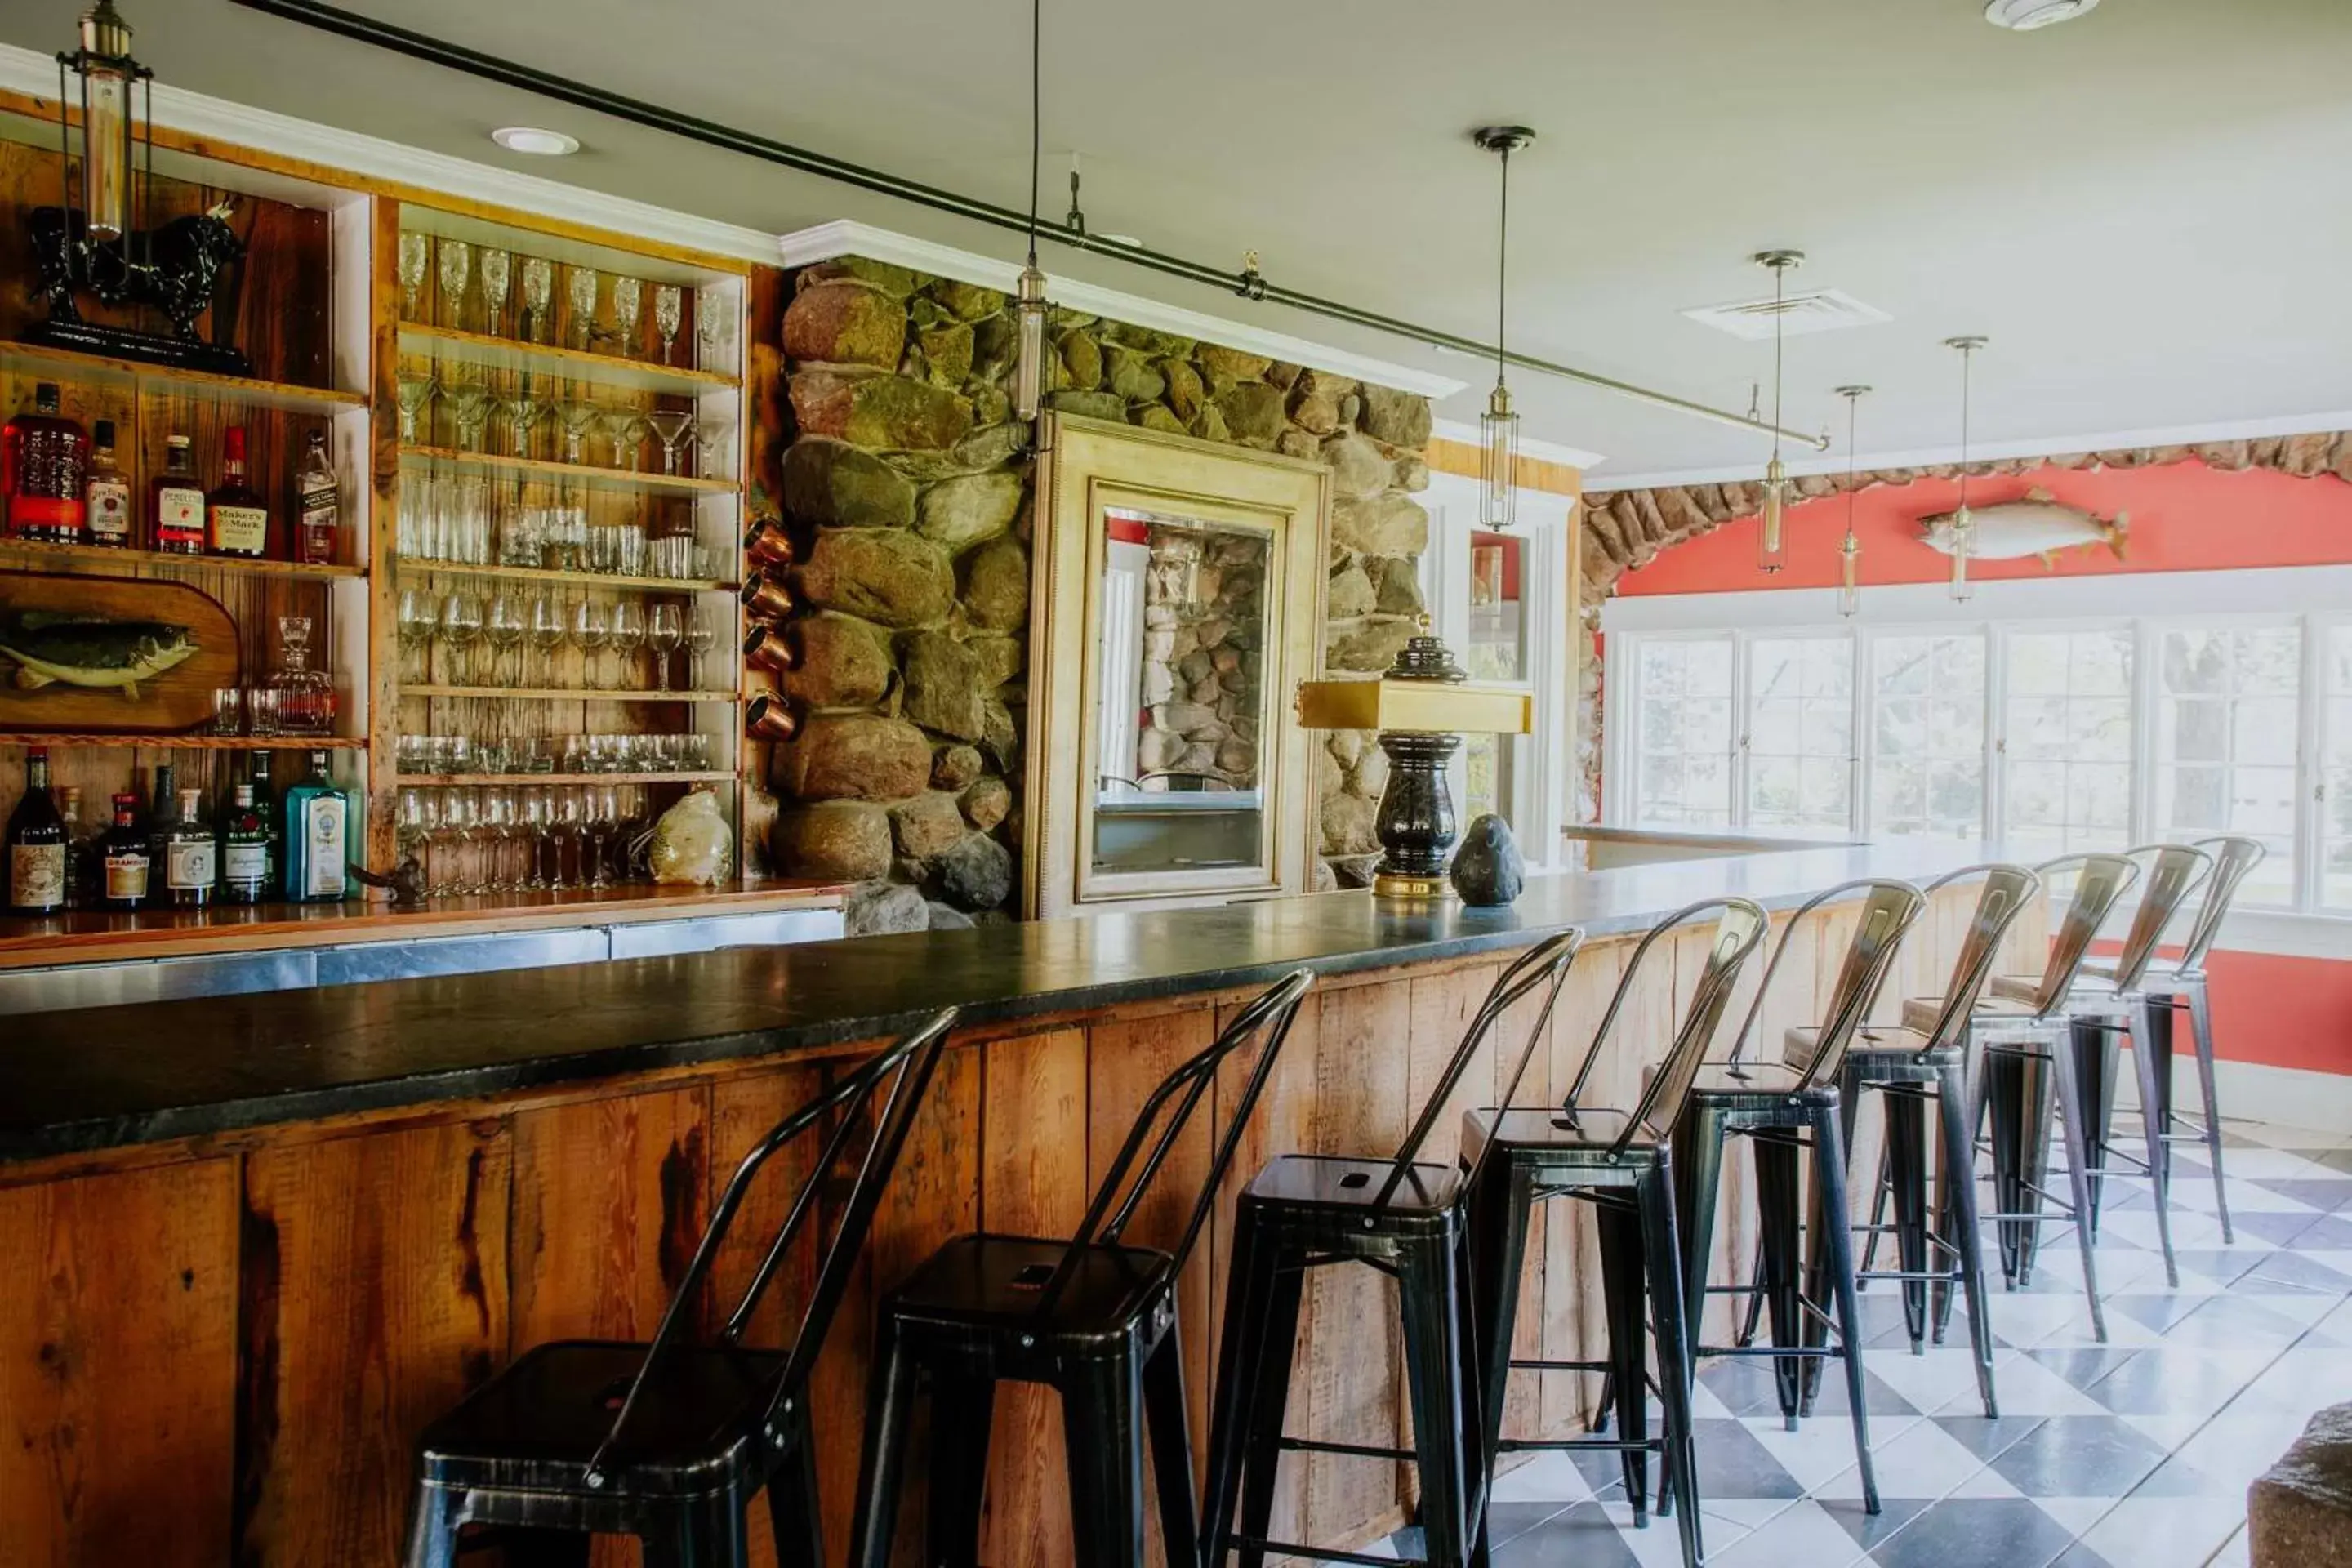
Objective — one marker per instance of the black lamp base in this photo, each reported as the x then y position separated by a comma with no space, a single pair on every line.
1416,826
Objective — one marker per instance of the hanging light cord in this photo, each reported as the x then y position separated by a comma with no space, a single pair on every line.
1853,403
1780,279
1037,117
1967,356
1502,264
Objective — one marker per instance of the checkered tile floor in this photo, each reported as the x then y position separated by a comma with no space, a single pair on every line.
2134,1454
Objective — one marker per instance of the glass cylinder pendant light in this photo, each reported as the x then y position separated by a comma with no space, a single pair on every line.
1771,544
1498,427
106,74
1850,549
1963,523
1029,301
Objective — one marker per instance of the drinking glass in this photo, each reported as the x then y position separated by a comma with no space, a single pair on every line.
710,325
409,823
461,817
415,392
465,520
579,418
415,619
628,635
604,813
629,548
496,269
499,822
546,633
461,626
590,624
456,261
671,426
628,305
580,289
538,289
625,429
435,832
469,399
262,707
535,810
710,450
415,261
669,302
521,409
701,637
506,627
571,822
228,709
665,629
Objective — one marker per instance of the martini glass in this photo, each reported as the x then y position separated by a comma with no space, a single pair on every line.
580,417
469,403
538,289
671,426
709,446
625,429
521,411
415,392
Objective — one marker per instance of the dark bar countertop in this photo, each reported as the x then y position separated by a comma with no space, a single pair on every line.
97,1078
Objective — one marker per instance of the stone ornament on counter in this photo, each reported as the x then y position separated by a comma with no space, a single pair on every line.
692,845
1488,870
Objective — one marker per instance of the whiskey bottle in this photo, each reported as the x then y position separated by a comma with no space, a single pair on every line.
105,493
175,503
82,852
318,819
124,864
36,845
161,817
244,851
43,456
192,863
265,803
318,530
237,519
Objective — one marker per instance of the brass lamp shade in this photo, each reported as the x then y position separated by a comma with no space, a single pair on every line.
1468,707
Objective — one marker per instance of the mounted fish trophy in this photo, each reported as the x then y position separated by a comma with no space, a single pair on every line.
2040,524
91,242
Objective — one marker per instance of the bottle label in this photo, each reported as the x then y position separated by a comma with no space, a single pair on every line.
179,515
240,530
44,511
37,876
108,510
322,847
126,877
191,863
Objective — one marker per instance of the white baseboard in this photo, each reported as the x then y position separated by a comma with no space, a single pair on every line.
2249,1091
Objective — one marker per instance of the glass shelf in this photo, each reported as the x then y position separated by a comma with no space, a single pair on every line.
18,550
448,344
98,370
542,469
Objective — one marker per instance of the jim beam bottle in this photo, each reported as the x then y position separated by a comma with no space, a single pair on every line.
105,493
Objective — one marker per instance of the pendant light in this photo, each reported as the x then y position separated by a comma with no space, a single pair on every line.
1771,546
1029,303
1963,524
1498,427
1849,550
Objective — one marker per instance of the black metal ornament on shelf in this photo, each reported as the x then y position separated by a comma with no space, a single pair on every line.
175,268
1415,823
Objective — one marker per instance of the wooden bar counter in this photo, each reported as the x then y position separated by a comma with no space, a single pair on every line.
253,1243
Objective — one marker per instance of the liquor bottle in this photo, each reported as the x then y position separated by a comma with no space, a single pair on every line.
175,503
317,817
125,863
191,860
82,852
317,534
160,819
244,851
237,519
105,493
265,803
36,845
42,458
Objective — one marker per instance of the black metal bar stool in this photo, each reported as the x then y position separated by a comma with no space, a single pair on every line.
1407,1220
668,1441
1092,1317
1621,1162
1784,1110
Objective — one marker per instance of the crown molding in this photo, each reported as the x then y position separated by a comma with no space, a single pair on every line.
845,236
1468,435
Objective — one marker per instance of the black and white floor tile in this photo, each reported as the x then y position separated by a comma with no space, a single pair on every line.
2131,1454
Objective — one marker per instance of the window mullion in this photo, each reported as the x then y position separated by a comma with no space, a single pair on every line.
2310,753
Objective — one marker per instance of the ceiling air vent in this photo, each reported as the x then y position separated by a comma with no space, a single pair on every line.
1817,310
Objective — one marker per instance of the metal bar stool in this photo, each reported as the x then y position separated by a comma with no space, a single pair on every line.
2101,1009
1406,1219
1621,1162
1784,1108
2024,1061
666,1441
1092,1317
1910,1069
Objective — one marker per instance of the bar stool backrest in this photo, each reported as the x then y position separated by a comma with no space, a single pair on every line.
2174,871
907,1067
2232,858
1888,912
2007,890
1541,968
2099,882
1178,1095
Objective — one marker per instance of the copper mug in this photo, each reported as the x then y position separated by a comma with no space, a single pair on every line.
768,598
776,649
771,717
767,543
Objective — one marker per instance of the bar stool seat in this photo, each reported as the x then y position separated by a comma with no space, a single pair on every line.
1348,1181
994,1281
2009,1014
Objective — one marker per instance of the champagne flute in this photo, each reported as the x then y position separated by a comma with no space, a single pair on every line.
538,290
590,624
701,637
671,426
547,633
581,289
665,629
456,259
669,304
628,305
461,627
506,627
709,324
628,635
496,269
416,262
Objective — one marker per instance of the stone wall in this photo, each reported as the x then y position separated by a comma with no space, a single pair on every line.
1201,656
905,473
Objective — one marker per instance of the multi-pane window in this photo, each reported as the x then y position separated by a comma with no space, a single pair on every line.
1800,733
2067,741
1497,651
1683,720
2336,773
1927,739
2227,712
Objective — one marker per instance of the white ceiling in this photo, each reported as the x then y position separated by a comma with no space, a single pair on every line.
2145,209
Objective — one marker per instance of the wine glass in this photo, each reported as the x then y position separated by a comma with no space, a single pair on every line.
628,305
669,308
456,262
461,627
701,637
469,403
415,261
538,289
498,823
579,418
461,820
671,426
409,824
506,627
603,814
496,269
665,629
709,324
628,635
416,618
571,822
625,429
547,633
580,289
590,624
440,880
535,809
415,392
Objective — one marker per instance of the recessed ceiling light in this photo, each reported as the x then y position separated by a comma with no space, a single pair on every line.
531,139
2024,15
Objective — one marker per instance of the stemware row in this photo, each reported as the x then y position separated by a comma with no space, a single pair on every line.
469,276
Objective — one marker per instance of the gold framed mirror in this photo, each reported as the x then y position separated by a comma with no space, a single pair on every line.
1177,603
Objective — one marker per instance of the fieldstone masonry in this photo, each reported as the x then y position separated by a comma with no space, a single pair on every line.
903,463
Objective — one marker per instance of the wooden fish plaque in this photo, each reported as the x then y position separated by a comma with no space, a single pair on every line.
110,655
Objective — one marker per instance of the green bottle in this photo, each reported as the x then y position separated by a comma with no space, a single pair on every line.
318,837
244,851
265,802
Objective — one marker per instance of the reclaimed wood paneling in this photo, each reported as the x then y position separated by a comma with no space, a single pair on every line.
117,1368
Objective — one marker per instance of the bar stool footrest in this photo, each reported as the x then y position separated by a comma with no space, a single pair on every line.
1317,1553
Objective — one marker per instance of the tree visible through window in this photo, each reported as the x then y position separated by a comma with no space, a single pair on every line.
2067,741
1927,719
1684,695
1801,733
2228,704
